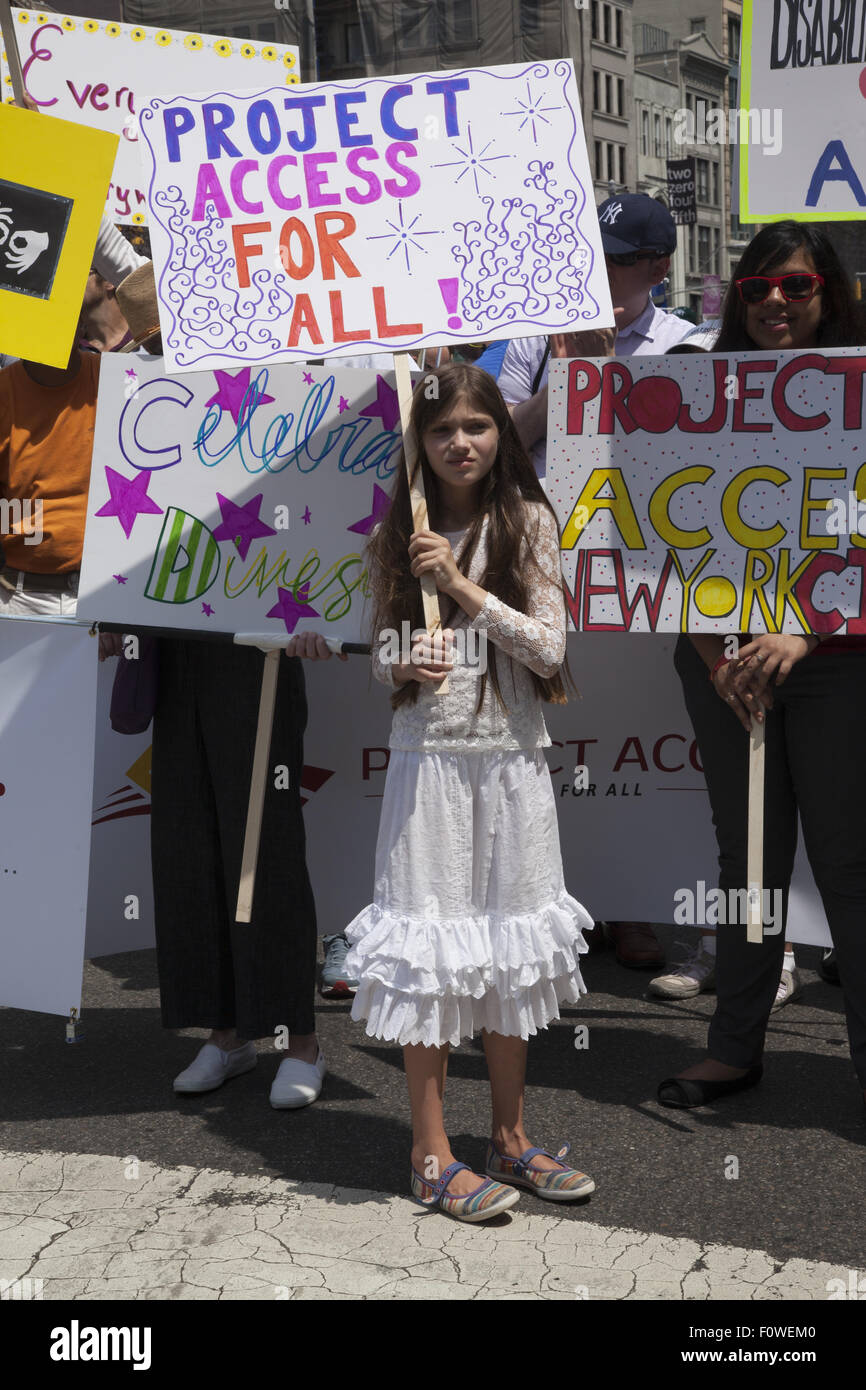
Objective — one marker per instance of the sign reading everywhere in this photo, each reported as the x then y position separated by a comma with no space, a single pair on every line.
803,66
236,501
94,71
711,493
52,189
383,213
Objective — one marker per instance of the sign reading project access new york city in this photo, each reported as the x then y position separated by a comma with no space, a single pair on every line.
711,493
382,213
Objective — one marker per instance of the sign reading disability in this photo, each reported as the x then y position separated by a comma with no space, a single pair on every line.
386,213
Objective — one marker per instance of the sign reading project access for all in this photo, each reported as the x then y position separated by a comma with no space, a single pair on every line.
236,501
716,493
804,77
95,72
384,213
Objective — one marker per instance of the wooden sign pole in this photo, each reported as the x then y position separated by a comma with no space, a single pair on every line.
257,786
755,862
13,58
420,519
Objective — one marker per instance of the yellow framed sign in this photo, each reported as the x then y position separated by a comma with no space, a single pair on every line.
53,178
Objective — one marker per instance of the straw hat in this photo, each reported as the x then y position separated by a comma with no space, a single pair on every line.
136,299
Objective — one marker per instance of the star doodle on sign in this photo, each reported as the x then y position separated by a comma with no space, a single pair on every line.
235,396
386,404
308,378
128,498
292,609
381,503
307,517
130,371
404,236
344,404
473,160
121,578
530,110
207,610
241,524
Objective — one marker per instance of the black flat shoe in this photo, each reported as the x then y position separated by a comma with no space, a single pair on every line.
681,1094
829,968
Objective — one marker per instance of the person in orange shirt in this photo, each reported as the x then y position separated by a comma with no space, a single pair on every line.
47,417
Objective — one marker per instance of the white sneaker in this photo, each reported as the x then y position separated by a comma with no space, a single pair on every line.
212,1067
298,1083
696,973
790,987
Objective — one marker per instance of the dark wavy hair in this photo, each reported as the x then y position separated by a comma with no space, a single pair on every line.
509,485
842,322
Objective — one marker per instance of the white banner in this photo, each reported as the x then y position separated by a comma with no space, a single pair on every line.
48,679
96,72
377,213
802,123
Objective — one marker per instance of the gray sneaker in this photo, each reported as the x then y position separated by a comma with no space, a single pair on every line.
335,983
696,973
790,987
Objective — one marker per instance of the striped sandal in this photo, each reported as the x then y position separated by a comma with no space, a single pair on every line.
485,1201
556,1185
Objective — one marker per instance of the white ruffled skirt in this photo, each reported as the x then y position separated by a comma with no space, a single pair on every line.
470,926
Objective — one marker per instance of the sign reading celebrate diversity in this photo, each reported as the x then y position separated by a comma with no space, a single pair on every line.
384,213
236,501
92,71
804,64
715,493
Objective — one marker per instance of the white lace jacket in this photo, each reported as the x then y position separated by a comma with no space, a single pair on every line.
533,640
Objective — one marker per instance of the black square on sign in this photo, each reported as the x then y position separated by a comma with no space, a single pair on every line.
32,231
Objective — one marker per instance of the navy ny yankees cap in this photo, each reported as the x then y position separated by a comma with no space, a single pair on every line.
636,222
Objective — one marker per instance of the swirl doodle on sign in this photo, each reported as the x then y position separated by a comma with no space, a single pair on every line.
209,312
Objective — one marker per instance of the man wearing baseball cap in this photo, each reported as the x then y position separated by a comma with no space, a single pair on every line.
639,237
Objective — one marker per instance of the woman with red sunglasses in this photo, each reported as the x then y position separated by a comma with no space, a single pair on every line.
789,291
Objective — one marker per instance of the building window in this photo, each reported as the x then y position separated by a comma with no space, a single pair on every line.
715,176
644,133
596,94
595,9
622,178
608,92
530,16
657,136
620,96
733,40
703,181
599,170
618,17
354,48
691,247
605,24
698,26
716,248
611,163
459,22
704,251
669,137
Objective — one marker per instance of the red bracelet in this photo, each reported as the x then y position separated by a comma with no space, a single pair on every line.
722,661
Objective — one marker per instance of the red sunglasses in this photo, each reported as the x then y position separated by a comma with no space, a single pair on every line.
797,285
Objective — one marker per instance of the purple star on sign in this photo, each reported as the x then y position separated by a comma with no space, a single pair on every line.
381,503
290,609
386,404
128,498
344,404
207,610
241,524
234,391
308,378
121,578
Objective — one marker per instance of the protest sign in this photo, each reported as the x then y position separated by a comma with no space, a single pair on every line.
380,213
94,71
48,675
803,78
53,177
711,493
236,501
682,190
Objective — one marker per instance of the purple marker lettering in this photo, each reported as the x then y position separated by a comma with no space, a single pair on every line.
448,88
275,168
411,182
39,55
374,187
346,118
305,105
236,184
217,117
209,190
316,178
176,121
390,124
263,113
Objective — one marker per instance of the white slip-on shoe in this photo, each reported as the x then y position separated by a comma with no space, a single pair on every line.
212,1067
695,974
298,1083
790,988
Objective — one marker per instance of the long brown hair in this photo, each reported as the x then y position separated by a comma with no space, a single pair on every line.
506,490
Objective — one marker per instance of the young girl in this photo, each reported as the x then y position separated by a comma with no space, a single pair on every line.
471,927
